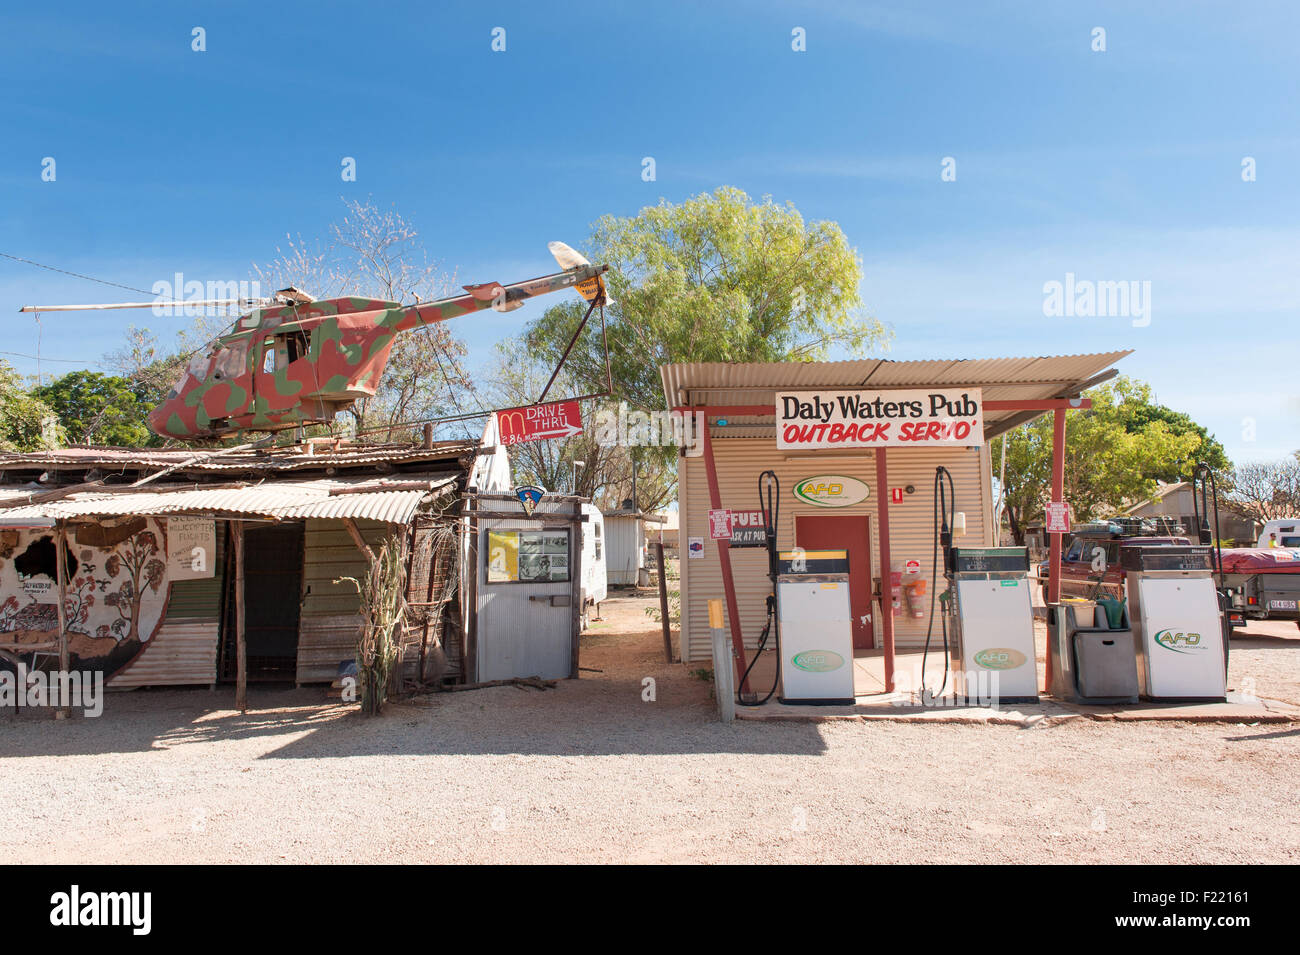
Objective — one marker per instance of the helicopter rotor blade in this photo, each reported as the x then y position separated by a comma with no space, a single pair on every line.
570,258
566,256
97,307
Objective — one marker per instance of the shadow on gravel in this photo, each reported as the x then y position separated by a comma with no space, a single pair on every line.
597,715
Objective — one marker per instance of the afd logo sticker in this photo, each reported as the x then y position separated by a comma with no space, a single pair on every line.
818,661
999,658
831,490
1180,642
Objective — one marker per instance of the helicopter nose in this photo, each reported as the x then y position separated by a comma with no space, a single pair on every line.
158,421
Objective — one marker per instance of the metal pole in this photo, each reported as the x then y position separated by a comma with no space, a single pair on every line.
1058,494
882,532
724,558
723,684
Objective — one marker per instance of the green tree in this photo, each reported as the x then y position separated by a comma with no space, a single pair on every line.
716,278
1137,408
1116,452
26,422
95,408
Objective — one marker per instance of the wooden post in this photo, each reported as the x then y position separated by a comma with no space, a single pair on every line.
469,665
663,602
576,557
360,541
61,575
241,644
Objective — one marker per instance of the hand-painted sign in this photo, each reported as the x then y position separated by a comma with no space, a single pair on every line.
905,418
831,490
1058,517
191,548
720,524
538,422
529,495
747,529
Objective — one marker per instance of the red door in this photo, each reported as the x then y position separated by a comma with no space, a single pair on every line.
850,533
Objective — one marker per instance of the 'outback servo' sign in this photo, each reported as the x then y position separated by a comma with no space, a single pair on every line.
867,419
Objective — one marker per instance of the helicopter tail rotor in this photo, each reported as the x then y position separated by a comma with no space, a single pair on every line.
570,258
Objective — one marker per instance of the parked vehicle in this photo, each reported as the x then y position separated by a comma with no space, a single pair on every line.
1263,582
595,585
1284,533
1090,563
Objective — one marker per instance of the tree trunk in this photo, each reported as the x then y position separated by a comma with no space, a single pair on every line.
1017,532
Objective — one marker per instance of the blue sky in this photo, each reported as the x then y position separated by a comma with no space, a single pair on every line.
1123,165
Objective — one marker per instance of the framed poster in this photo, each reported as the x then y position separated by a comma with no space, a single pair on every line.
527,556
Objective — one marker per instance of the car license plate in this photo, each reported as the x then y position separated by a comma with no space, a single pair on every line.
1281,605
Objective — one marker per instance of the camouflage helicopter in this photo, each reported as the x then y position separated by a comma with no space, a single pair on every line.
300,361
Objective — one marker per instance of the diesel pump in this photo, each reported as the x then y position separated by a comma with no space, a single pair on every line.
988,600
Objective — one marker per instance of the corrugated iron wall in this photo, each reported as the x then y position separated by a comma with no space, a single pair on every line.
741,460
331,620
184,650
624,553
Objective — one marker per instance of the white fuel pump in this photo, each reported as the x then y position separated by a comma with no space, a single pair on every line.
812,599
1177,622
992,615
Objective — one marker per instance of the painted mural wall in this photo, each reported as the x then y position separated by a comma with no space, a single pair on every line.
117,589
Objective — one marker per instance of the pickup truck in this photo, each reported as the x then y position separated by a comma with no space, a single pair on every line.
1263,582
1089,556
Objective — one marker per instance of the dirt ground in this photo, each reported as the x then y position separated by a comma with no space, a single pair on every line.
603,770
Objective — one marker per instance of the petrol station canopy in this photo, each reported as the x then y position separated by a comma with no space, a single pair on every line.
718,384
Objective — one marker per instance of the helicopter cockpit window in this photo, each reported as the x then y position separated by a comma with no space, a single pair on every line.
231,361
280,350
296,343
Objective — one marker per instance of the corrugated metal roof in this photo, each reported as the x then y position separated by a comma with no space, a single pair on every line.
393,500
275,459
1002,379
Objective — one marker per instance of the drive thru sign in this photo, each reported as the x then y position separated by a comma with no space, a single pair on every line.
538,422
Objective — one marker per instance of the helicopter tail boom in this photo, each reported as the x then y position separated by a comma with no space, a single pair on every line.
586,279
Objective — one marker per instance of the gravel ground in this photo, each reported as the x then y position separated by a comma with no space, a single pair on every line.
590,772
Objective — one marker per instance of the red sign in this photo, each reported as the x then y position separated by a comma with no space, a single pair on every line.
896,495
1058,517
539,422
912,567
720,524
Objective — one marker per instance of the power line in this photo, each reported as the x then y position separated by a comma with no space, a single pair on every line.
66,361
88,278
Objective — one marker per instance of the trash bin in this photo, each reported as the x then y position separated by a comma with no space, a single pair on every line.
1091,662
1105,666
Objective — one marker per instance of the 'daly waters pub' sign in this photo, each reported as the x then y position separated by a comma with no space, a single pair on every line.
907,418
